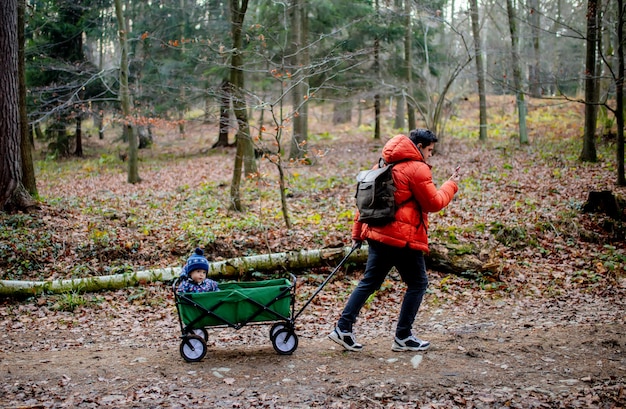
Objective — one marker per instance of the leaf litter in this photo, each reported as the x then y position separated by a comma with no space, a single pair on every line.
548,331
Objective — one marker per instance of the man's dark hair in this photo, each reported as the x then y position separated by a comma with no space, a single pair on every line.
423,136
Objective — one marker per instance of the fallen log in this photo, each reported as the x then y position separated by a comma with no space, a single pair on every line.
442,258
452,259
232,269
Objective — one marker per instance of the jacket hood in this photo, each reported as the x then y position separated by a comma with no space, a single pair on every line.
401,148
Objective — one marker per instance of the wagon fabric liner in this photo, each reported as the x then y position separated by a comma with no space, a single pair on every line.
237,303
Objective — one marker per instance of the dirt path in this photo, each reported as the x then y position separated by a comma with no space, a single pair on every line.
486,353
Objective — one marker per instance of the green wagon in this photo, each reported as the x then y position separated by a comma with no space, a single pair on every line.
238,304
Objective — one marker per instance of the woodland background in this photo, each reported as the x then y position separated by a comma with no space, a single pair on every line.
145,129
263,64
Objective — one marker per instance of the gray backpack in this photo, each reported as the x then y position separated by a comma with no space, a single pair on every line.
374,195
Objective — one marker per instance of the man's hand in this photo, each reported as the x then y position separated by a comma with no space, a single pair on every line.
456,175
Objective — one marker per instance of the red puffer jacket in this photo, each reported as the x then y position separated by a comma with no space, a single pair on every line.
417,193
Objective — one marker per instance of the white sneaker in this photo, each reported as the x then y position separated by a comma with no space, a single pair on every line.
409,343
345,339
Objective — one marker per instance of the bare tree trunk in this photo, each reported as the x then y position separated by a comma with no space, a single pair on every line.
38,132
10,169
133,173
517,73
599,61
78,151
588,153
534,19
298,30
99,123
207,103
26,147
480,71
12,192
283,194
237,82
224,124
183,93
377,109
619,93
399,119
245,150
408,58
378,76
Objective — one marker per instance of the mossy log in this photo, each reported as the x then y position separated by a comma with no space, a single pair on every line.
232,269
441,259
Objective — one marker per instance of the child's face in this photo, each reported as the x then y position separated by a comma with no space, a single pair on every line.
198,276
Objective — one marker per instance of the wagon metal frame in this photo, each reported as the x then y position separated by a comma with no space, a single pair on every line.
238,304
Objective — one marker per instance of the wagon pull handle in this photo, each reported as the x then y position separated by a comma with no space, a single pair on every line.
355,246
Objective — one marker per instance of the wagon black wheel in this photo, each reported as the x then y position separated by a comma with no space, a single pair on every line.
285,341
275,328
193,348
201,332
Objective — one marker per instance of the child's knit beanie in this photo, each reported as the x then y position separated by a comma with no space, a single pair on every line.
197,261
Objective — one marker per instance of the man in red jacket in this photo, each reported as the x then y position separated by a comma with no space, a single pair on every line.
401,243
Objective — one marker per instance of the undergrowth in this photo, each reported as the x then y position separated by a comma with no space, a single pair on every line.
511,197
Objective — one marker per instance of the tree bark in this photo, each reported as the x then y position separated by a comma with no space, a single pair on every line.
399,121
517,74
224,123
26,147
298,148
13,196
244,155
442,258
10,169
619,93
78,151
480,71
588,153
133,172
377,70
534,18
245,147
408,59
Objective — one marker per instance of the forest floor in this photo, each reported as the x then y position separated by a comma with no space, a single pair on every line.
547,331
486,353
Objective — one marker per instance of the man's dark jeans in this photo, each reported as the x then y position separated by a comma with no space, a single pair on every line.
412,268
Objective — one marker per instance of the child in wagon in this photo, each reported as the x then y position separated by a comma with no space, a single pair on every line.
193,275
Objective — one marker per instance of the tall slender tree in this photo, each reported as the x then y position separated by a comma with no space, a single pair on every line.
299,53
480,71
378,71
619,93
588,153
534,74
133,172
13,195
517,73
26,147
245,150
408,59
